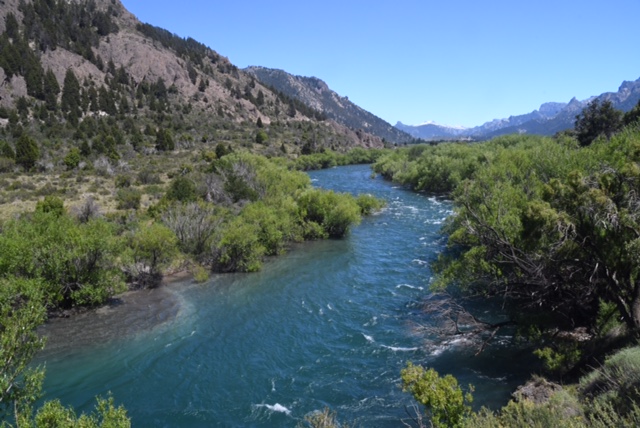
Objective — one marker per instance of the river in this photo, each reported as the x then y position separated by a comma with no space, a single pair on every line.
330,324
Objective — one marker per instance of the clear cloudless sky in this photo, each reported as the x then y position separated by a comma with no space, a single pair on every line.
455,62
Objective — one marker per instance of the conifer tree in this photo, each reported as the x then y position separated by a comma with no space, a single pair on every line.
164,140
27,151
11,26
51,90
71,98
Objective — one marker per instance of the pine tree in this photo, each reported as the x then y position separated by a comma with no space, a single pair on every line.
34,76
27,151
11,26
164,141
51,90
71,99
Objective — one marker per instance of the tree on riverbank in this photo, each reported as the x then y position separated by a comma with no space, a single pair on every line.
22,310
540,222
551,227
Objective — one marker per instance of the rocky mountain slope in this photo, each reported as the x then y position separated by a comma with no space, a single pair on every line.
549,119
134,72
316,93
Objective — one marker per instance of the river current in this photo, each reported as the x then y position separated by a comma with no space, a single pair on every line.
330,324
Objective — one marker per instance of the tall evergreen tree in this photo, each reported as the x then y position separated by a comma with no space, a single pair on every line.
51,90
71,98
164,140
11,26
597,119
27,151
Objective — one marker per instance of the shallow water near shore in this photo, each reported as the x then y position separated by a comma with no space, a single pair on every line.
330,324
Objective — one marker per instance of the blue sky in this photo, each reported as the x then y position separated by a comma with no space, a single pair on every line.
455,62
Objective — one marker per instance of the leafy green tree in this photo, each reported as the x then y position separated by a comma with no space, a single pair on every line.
597,119
54,414
221,150
27,151
34,76
76,262
152,247
291,110
22,310
239,249
547,226
107,101
445,402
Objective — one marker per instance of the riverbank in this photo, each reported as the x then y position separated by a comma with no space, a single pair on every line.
124,315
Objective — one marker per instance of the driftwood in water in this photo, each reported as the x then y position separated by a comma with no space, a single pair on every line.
448,318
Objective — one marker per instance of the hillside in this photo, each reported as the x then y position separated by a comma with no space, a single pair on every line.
549,119
65,64
316,93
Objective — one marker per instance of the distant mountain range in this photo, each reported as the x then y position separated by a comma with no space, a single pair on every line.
549,119
316,94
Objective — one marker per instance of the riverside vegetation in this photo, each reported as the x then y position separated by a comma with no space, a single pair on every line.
224,214
110,177
551,226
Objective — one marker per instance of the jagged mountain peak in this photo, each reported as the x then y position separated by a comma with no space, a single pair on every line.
550,118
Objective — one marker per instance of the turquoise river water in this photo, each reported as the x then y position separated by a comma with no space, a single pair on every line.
330,324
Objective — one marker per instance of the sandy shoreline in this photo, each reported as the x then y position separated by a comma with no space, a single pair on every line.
124,316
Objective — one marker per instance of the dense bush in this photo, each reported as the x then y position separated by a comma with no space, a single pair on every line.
617,382
77,263
128,198
335,212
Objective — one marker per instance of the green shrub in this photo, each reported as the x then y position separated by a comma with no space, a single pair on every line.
51,204
72,159
444,400
128,199
561,411
335,212
239,249
200,273
6,150
123,181
182,189
6,164
369,204
148,176
261,137
617,382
